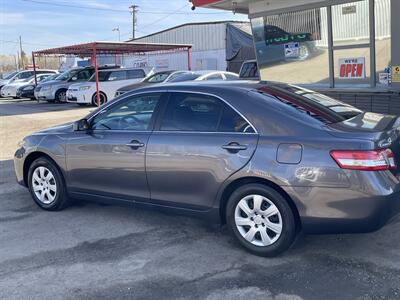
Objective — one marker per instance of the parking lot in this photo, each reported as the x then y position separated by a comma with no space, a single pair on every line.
96,251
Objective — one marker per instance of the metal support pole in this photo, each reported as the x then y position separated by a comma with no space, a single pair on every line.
188,59
330,49
34,70
372,50
96,71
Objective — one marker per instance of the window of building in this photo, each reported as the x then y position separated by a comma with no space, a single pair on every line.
293,47
301,47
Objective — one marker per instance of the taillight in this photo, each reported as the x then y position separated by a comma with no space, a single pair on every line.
368,160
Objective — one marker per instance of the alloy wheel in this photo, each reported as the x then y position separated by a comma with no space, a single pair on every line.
44,185
258,220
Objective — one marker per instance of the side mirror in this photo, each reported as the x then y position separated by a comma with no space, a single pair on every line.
81,125
74,78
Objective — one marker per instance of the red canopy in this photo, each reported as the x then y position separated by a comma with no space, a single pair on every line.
95,48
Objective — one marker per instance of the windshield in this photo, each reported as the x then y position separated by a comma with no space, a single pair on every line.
103,76
316,105
51,77
158,77
67,75
9,76
186,77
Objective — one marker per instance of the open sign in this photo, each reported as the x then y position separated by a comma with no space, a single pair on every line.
352,68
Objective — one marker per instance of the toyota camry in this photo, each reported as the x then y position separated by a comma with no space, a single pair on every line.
267,159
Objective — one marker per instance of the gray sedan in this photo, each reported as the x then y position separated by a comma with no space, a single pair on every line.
268,159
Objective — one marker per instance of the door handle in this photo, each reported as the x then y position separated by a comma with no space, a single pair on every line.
234,147
135,144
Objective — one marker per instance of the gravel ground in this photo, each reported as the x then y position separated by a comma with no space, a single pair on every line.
92,251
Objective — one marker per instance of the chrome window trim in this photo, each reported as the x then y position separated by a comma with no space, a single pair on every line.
124,96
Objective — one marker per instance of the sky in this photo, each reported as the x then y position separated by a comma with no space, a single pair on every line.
52,23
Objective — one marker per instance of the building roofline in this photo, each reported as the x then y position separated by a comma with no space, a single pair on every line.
187,24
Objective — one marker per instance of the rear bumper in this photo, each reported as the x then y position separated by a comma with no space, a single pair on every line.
336,210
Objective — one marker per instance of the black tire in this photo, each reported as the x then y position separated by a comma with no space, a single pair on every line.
288,233
61,199
103,99
61,96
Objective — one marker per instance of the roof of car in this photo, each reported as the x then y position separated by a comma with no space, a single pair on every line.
208,86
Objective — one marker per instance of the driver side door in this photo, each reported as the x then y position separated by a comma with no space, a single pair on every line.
109,159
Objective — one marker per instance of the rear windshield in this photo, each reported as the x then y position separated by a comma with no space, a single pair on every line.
316,105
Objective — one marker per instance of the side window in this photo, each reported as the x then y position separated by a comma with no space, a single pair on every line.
231,121
24,75
117,75
133,113
133,74
214,77
83,75
192,112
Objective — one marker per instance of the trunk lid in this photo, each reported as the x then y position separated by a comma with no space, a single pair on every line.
382,130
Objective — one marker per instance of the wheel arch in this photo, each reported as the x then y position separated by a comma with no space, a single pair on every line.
31,158
231,187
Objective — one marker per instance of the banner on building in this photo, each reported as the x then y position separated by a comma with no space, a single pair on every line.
352,68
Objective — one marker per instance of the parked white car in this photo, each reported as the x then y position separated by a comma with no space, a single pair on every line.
22,75
109,82
10,90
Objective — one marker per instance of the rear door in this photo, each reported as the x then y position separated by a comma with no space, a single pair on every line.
198,143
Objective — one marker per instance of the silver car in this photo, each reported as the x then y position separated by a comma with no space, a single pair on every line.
268,159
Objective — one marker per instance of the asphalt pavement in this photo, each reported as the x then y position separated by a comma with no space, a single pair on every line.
92,251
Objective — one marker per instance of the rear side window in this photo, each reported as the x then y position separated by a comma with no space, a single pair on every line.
117,75
133,74
201,113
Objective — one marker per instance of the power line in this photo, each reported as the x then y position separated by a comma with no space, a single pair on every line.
28,43
119,10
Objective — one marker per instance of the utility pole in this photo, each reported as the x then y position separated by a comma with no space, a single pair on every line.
119,33
133,12
16,63
20,52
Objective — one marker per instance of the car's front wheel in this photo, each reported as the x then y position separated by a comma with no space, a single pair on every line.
261,220
46,185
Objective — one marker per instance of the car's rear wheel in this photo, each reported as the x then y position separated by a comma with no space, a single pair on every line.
261,220
46,185
103,98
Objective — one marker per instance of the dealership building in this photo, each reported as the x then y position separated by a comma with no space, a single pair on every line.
221,45
347,49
